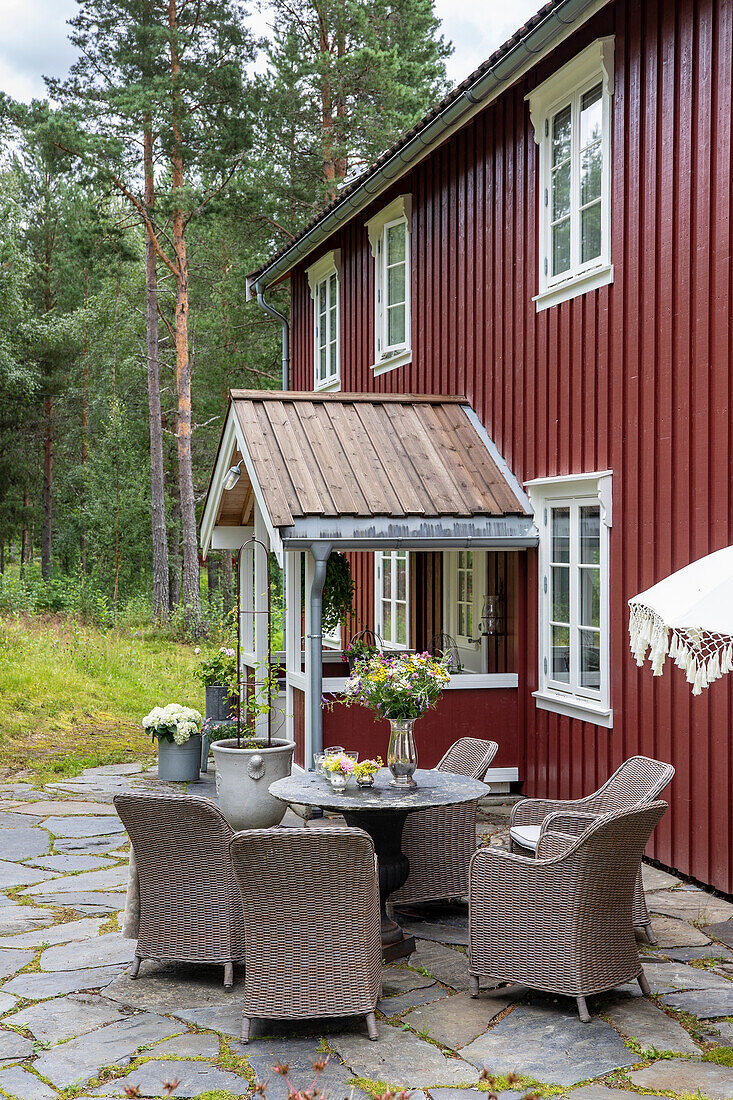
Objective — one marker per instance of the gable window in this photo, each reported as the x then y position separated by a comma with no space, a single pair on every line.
574,517
389,238
323,278
392,597
571,116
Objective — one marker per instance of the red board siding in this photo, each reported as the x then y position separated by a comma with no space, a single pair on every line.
635,377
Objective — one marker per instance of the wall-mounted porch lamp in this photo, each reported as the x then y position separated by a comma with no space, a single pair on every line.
233,475
492,616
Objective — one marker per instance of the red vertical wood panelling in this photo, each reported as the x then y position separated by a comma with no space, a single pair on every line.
636,377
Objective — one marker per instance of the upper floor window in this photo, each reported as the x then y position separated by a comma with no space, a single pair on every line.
389,237
571,115
392,595
323,278
573,516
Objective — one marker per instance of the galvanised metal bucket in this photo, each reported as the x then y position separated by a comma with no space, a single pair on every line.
179,763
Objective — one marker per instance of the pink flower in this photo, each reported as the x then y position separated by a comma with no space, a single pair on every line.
347,764
197,649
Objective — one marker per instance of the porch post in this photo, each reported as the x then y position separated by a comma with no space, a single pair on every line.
293,670
261,625
320,552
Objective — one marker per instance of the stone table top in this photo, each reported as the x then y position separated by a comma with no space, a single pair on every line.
433,789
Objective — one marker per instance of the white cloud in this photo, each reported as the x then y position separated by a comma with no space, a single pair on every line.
34,43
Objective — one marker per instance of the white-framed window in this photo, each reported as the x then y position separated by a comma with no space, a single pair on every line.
573,516
392,597
390,241
463,599
323,279
571,116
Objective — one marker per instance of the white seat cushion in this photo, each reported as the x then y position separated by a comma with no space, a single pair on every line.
528,836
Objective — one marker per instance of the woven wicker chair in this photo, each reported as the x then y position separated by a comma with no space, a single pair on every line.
317,897
439,842
190,905
639,780
561,922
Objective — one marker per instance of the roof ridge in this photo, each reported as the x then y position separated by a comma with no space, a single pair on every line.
342,395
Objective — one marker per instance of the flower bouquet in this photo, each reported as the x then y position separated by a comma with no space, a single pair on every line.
339,768
365,770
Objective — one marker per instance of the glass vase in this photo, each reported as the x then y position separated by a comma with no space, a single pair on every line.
402,752
339,780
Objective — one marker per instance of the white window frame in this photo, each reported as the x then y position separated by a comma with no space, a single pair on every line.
389,357
378,596
467,648
566,88
319,273
587,704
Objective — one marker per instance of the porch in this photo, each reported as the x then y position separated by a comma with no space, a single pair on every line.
413,490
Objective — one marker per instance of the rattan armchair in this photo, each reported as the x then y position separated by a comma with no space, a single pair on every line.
561,922
312,928
638,781
190,905
439,842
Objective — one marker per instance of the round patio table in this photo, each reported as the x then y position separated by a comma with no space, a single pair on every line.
381,812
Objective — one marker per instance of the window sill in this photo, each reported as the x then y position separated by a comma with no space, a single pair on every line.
382,366
579,284
583,709
333,385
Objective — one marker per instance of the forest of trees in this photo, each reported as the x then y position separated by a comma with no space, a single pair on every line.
133,201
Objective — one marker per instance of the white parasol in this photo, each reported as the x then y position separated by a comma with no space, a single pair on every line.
688,616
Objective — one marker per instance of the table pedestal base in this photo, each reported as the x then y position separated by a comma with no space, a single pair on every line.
385,829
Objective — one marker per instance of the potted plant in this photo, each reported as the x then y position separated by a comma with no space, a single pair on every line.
362,647
178,732
246,764
399,689
218,674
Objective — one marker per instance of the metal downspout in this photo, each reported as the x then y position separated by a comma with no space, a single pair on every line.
320,552
260,292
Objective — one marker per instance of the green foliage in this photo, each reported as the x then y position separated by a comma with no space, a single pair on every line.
220,667
722,1056
338,592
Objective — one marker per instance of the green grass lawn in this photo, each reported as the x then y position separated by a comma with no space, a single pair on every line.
72,696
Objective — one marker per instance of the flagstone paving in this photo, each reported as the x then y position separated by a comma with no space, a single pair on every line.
70,1013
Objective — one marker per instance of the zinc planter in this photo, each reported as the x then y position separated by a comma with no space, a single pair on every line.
243,777
220,705
179,763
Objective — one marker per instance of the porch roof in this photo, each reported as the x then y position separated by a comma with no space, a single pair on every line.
364,471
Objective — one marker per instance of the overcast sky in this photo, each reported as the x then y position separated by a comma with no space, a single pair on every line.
33,40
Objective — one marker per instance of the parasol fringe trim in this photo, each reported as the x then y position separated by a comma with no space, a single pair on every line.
704,658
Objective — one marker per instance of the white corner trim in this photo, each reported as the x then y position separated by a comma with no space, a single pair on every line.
392,362
574,708
326,265
571,288
401,207
274,535
596,58
499,459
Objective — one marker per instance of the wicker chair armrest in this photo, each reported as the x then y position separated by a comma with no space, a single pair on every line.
504,880
571,822
551,844
533,811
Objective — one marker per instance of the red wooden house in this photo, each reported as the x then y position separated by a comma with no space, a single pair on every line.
551,244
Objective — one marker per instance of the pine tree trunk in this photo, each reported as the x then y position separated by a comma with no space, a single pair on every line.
2,553
46,528
212,574
84,428
157,483
189,540
24,538
174,553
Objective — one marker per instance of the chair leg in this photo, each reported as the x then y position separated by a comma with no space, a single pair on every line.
371,1022
583,1009
245,1028
650,934
228,975
644,984
473,985
135,968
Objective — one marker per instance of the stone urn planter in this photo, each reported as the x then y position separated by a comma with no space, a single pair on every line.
179,763
243,778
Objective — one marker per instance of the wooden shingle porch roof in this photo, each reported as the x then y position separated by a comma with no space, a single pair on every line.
360,469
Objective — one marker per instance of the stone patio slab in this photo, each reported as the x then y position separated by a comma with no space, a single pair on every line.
671,932
82,826
95,901
115,769
14,959
450,932
400,980
67,1017
705,1004
640,1019
21,1083
21,841
103,844
189,1045
549,1044
15,874
722,931
22,918
100,951
65,808
690,905
392,1006
299,1054
172,987
224,1018
446,964
602,1092
14,1047
111,878
7,1001
678,1075
458,1020
194,1078
38,986
664,977
80,1059
65,862
689,954
56,933
654,878
400,1058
